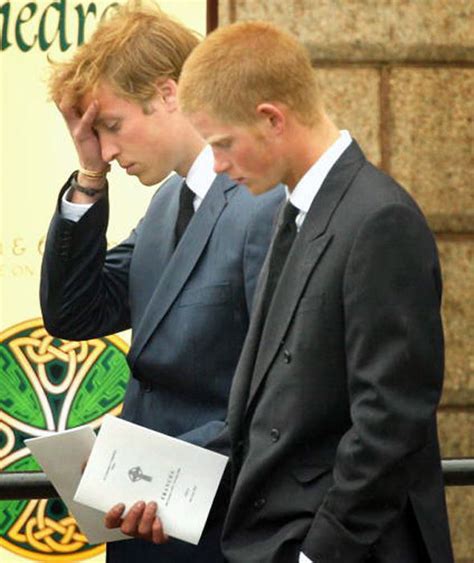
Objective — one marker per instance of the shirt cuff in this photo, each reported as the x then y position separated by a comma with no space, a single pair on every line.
73,211
303,558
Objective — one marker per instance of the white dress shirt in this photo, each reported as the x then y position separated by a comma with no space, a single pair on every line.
308,186
199,179
201,175
304,193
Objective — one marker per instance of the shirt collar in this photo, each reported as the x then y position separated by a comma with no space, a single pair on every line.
201,174
306,189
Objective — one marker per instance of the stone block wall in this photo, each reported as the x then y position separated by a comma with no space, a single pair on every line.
399,74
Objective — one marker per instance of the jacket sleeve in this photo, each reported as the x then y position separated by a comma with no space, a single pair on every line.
84,287
394,362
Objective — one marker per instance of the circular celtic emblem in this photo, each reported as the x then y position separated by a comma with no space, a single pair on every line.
49,384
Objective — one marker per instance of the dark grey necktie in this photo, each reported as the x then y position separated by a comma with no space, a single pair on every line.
281,247
186,211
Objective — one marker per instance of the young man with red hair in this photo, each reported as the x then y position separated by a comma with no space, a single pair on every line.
332,413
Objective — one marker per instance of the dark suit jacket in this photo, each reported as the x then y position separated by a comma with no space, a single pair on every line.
332,408
188,309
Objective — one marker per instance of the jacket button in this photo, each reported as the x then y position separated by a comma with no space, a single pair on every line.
259,503
286,356
147,386
275,434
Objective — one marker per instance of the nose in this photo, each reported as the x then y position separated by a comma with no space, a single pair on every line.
221,164
108,149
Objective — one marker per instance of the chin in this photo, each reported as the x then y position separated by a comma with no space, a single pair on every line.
259,189
148,181
154,179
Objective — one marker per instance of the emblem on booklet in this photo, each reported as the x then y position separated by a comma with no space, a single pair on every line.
136,474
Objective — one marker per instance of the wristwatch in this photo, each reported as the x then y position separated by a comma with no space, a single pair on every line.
91,192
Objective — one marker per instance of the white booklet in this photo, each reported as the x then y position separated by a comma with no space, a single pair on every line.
62,456
130,463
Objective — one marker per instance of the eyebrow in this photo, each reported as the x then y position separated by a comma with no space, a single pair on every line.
100,119
215,139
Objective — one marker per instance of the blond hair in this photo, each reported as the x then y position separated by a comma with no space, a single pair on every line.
242,65
136,47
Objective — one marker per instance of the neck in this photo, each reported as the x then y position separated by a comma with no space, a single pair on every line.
311,143
194,145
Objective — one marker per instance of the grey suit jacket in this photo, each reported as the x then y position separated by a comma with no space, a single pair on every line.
188,307
332,409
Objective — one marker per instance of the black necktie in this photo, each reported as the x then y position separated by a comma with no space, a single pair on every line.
283,241
186,211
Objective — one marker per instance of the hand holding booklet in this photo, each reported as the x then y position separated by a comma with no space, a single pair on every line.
129,463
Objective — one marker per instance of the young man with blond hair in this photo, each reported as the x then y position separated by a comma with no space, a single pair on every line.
332,412
184,279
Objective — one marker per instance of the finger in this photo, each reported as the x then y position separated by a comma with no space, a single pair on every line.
70,113
87,120
113,518
68,108
147,519
130,522
157,533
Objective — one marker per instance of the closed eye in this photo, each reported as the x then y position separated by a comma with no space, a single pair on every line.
225,144
111,126
108,125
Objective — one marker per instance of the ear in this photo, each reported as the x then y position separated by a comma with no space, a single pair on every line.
167,92
273,116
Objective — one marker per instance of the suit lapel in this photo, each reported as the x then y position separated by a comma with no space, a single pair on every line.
310,245
181,263
163,243
302,259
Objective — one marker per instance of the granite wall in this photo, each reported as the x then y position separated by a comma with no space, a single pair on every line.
399,74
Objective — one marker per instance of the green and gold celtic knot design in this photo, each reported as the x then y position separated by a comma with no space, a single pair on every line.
46,385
